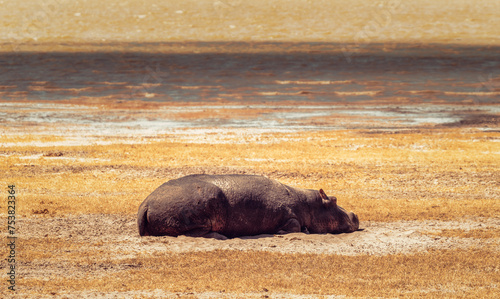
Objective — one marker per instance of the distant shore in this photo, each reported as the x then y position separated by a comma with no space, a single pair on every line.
339,21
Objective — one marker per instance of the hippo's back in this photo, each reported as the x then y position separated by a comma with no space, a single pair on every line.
237,187
257,204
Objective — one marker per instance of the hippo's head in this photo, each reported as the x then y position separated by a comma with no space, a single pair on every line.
332,218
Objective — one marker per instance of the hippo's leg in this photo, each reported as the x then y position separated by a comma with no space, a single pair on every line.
291,226
215,235
205,233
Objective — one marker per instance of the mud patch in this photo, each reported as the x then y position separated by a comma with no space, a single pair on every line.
479,120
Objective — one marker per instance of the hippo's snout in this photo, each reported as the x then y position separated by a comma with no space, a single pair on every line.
354,220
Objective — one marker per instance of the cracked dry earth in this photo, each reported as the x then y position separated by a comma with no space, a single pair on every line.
115,237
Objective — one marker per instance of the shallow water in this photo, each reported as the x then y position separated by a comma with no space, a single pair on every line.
297,83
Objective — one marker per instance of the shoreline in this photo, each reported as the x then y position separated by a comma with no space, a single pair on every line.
345,47
75,118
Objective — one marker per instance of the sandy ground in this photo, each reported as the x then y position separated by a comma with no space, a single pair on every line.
359,21
373,238
116,236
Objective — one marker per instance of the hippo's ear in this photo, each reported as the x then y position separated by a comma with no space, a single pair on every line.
327,201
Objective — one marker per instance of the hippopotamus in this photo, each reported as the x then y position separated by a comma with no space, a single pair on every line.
228,206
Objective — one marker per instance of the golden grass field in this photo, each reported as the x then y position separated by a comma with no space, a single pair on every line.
448,174
435,178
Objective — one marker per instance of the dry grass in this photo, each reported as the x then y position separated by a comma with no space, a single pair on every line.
490,233
450,174
470,273
412,176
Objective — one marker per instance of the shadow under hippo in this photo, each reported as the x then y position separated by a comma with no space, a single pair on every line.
228,206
